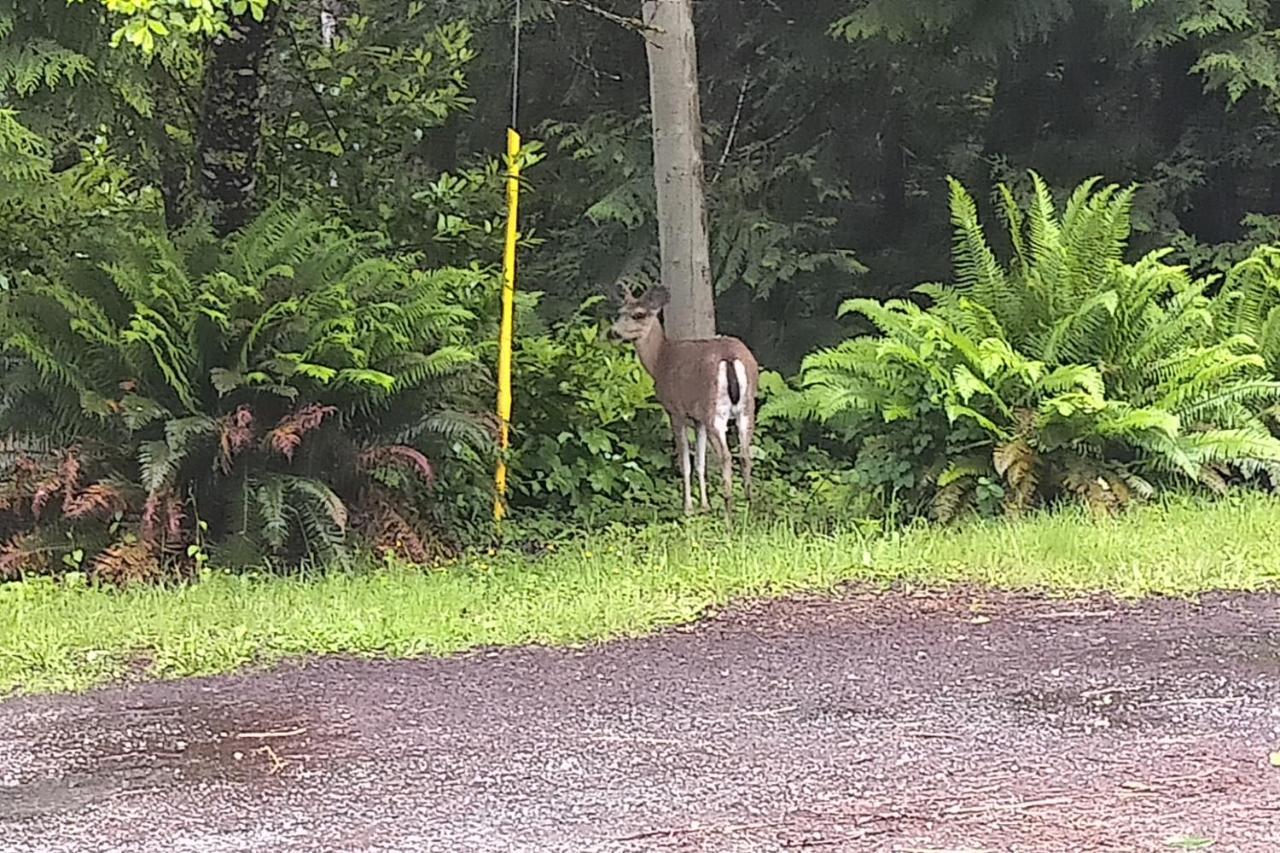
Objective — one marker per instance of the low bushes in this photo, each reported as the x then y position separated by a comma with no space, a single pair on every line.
1063,371
302,392
285,394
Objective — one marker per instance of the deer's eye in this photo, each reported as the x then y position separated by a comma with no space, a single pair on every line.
638,315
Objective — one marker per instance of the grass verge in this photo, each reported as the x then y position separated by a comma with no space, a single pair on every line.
59,637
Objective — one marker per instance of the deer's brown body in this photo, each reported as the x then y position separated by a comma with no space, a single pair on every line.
705,384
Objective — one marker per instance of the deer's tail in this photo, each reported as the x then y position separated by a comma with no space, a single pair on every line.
735,374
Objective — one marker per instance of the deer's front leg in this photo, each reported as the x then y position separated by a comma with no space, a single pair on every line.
681,428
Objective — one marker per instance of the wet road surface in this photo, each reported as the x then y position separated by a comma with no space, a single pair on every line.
897,723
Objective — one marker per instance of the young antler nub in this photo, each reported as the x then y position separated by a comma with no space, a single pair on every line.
701,383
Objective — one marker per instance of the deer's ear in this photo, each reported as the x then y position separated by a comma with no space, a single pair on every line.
619,293
656,298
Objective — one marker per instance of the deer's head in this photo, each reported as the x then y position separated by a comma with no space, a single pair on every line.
637,315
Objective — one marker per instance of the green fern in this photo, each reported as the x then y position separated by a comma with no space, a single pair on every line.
1249,303
185,361
24,156
1065,371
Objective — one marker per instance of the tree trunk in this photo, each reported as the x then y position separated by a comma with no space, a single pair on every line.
677,168
229,138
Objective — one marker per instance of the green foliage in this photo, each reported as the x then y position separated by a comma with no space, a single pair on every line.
760,244
145,23
1065,371
281,392
1238,51
829,127
25,160
753,248
1248,303
33,59
990,27
354,116
591,442
1067,297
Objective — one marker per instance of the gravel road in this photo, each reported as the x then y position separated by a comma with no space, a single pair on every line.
899,722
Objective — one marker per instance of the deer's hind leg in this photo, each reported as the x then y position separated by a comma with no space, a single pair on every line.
680,426
701,461
746,426
720,441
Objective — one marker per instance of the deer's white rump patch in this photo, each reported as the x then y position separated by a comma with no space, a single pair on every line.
726,408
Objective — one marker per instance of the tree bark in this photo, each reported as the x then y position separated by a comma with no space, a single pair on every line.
678,169
229,139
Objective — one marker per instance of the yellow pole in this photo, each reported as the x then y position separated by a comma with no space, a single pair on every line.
506,332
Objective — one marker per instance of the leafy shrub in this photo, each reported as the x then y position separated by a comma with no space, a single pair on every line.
592,446
374,144
796,470
282,393
1065,371
591,443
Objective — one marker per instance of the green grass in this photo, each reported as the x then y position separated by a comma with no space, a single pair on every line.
55,636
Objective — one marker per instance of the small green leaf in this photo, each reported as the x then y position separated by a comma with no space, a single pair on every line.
225,381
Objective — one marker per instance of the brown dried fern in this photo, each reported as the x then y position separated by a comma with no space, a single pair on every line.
127,563
1104,492
390,527
287,435
24,554
97,500
1018,463
235,434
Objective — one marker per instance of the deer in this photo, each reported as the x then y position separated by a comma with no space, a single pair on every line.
703,383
